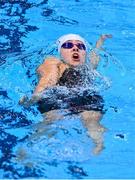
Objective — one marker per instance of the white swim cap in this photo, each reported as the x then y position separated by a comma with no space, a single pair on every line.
68,37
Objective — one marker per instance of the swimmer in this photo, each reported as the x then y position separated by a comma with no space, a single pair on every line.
53,72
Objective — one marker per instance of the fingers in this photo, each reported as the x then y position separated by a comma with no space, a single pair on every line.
23,100
106,36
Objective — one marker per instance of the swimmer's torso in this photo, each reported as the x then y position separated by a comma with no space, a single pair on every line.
75,77
55,72
71,78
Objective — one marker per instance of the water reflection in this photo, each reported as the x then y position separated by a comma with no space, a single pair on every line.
14,25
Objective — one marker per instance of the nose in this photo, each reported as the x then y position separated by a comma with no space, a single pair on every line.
75,48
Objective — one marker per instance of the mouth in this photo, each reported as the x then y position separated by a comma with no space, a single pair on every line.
75,57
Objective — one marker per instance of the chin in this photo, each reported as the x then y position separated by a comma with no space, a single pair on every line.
76,63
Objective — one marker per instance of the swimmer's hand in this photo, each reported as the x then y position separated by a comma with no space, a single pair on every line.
27,102
106,36
101,40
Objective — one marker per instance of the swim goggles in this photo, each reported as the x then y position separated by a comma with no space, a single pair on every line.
69,45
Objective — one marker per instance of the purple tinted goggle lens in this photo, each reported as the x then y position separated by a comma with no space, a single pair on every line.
69,45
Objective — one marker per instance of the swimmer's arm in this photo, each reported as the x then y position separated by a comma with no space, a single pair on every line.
41,70
94,57
48,74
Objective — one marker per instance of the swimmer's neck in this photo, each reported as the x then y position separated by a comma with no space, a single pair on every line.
64,62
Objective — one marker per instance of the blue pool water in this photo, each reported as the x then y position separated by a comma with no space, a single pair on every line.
28,30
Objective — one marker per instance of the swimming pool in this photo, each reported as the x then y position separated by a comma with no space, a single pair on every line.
27,29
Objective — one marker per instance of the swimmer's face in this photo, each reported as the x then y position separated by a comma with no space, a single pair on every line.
73,52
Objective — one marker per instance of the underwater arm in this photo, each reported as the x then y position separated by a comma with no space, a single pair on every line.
27,102
94,57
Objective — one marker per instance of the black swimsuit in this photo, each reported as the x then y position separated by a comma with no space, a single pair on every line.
76,102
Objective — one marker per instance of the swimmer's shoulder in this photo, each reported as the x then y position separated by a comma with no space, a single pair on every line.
52,63
48,63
